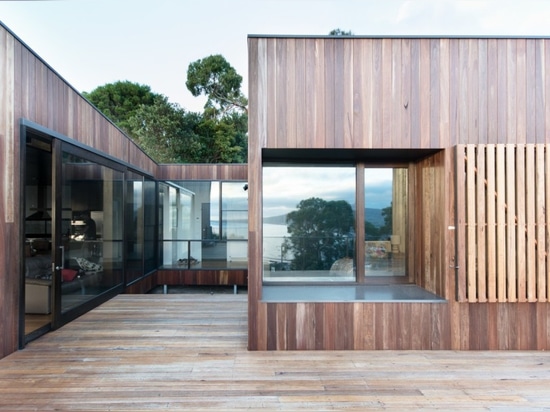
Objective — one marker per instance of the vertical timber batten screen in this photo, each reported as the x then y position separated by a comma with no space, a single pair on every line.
503,192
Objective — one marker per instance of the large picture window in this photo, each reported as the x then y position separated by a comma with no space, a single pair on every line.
311,225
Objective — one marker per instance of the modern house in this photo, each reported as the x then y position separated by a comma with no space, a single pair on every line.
397,192
86,215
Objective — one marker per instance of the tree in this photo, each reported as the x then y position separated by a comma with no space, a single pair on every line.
339,32
320,233
387,229
372,232
166,132
119,101
214,77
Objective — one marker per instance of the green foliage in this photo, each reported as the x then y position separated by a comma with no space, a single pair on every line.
339,32
214,77
380,231
320,233
168,133
387,229
372,232
119,101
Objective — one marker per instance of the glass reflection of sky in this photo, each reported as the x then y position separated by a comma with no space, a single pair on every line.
284,187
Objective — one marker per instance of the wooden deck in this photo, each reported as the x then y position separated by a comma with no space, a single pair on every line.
188,352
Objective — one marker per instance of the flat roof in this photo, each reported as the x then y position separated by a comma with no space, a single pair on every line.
416,36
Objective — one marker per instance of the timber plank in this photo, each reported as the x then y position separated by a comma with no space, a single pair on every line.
491,254
530,246
521,228
476,289
511,224
501,223
188,352
540,223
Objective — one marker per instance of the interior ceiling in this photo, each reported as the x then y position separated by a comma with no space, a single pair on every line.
38,167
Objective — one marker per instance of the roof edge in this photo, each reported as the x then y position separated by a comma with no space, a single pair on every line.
305,36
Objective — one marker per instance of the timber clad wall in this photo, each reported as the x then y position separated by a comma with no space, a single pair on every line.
31,90
203,172
487,95
506,191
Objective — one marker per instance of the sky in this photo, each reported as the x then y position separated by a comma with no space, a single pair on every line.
94,42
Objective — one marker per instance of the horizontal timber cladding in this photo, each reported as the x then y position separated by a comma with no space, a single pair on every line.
504,227
202,277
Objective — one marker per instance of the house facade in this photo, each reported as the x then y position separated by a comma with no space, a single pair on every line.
447,140
397,194
85,214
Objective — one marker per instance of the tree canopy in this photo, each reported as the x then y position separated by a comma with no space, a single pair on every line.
120,100
340,32
214,77
170,134
320,233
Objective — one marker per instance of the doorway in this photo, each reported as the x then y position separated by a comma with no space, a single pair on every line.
73,232
38,237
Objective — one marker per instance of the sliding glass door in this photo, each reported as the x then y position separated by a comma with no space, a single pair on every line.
88,233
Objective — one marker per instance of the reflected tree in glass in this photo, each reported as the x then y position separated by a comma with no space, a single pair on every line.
321,232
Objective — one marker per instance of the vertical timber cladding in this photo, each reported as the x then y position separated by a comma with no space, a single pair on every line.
9,191
31,90
505,230
484,97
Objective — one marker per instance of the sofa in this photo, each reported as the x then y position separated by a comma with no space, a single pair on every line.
38,275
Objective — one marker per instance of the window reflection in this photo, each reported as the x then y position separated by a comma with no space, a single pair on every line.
309,221
309,224
205,225
385,221
92,230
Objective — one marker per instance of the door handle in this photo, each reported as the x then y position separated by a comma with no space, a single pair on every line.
54,268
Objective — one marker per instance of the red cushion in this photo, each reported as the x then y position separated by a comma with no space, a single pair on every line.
68,274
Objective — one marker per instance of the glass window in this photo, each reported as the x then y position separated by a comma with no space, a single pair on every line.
92,230
149,222
385,221
134,227
309,223
205,225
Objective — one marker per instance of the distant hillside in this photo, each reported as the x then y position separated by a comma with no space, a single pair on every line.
276,220
373,216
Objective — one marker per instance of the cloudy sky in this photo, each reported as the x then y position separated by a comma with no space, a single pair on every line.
94,42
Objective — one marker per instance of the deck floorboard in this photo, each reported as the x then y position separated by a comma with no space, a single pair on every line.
188,352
